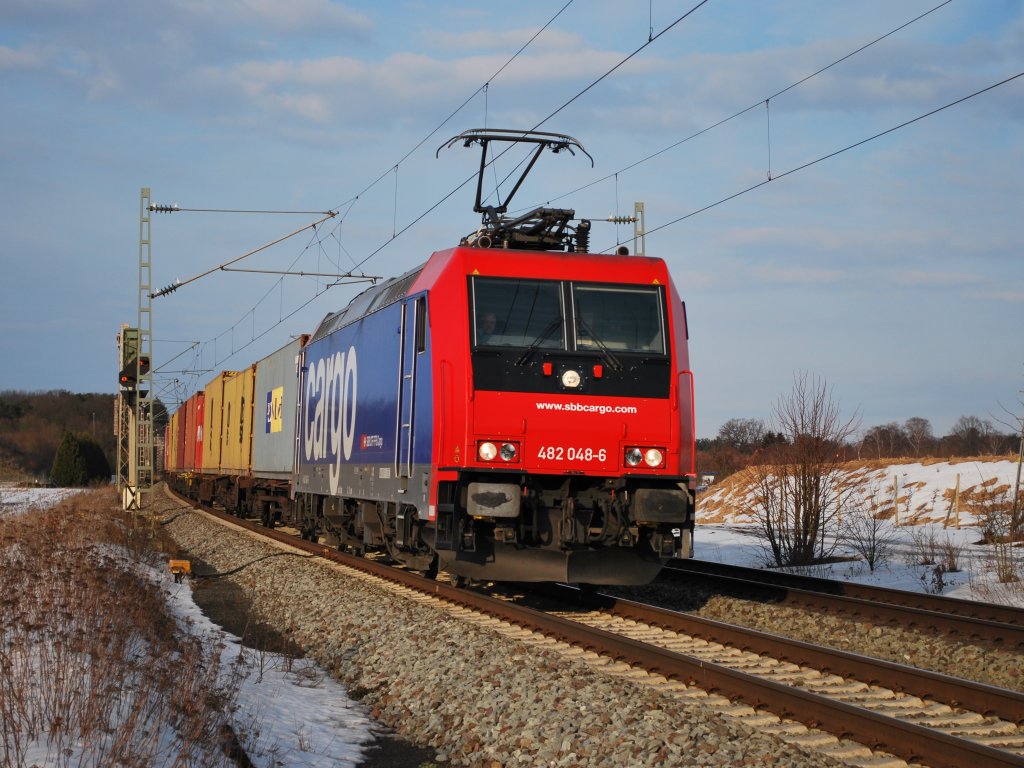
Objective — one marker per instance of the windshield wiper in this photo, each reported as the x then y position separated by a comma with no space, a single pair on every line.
611,359
525,357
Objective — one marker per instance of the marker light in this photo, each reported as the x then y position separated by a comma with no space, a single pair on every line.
508,452
634,456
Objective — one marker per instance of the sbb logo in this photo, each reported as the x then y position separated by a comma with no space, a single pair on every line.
330,411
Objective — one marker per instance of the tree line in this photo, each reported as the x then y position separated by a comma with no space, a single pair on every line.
744,442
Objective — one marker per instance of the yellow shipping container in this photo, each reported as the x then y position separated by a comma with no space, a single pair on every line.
236,436
172,462
213,439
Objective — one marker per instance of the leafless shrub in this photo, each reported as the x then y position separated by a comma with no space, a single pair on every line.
866,532
93,668
924,546
950,555
799,491
993,507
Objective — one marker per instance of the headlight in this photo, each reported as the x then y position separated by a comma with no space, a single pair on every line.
571,379
488,450
654,457
638,455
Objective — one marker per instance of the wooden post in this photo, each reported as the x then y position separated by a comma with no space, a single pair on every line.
896,500
956,503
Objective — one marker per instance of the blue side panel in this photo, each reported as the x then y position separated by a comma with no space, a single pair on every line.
349,410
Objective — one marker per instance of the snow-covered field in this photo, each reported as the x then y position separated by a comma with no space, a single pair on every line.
15,500
934,503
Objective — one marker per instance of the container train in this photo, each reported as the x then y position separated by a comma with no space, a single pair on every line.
514,409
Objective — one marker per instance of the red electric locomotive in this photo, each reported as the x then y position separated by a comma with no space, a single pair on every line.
516,409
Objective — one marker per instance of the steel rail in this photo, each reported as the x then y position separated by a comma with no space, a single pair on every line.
911,742
835,601
1005,614
978,697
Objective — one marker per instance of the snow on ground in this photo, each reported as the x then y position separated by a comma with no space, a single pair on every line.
289,712
928,509
15,500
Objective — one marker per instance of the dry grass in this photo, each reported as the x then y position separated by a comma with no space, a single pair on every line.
93,668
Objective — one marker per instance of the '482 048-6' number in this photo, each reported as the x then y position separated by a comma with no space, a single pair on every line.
560,453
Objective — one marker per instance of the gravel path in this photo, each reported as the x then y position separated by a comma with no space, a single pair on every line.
477,697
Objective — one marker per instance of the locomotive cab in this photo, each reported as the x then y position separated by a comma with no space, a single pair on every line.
576,459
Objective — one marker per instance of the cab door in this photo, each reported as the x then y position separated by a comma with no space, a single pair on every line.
412,332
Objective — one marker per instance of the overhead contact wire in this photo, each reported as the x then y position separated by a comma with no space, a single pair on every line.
837,152
755,105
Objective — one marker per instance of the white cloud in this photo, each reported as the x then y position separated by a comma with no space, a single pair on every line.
506,40
26,58
773,273
295,16
908,277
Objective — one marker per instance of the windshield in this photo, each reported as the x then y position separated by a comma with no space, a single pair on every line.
518,313
619,318
530,315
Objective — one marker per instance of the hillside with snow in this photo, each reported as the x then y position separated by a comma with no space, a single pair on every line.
933,513
909,493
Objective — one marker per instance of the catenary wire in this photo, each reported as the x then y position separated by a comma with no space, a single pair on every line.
745,110
830,155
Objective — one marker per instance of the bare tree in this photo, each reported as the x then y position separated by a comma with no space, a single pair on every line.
742,434
919,434
798,494
886,441
971,435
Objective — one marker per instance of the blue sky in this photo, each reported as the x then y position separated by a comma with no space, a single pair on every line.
893,270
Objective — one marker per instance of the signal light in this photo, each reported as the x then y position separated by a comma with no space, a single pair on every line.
128,377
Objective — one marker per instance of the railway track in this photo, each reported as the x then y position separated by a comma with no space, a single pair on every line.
965,619
921,717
